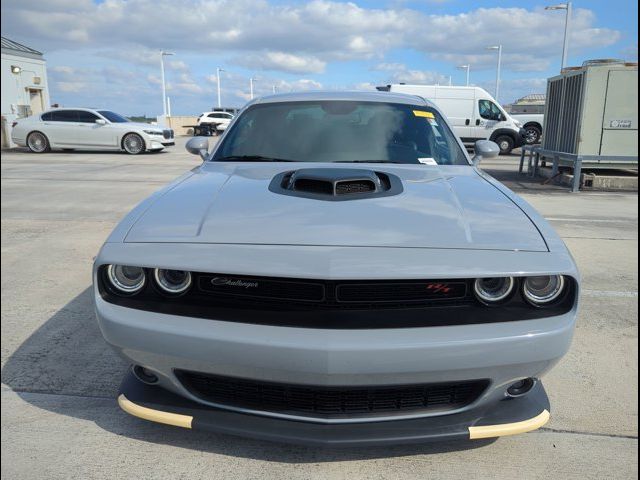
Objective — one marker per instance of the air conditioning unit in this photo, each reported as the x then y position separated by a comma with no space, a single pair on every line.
593,110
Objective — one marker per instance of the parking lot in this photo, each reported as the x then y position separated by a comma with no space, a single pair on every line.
59,379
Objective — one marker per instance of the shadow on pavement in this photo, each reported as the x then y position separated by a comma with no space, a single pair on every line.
67,357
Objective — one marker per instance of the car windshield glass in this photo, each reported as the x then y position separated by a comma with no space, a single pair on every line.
113,117
341,131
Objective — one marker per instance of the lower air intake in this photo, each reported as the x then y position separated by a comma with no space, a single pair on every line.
331,402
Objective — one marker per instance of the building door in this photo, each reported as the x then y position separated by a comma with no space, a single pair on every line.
35,101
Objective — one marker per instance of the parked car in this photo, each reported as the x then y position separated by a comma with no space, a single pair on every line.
474,114
88,129
338,271
220,119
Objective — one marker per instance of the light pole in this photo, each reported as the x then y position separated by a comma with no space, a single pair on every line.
567,29
251,80
467,68
164,87
499,49
218,70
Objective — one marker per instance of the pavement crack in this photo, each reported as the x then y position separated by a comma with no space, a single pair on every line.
593,434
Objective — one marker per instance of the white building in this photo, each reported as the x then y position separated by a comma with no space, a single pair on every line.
24,84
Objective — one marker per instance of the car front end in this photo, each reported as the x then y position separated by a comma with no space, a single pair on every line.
157,138
341,304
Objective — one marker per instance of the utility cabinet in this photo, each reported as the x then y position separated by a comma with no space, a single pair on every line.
593,110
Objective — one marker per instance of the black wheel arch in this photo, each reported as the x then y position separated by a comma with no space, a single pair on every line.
533,124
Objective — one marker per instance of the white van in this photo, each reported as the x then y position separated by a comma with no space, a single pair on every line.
472,111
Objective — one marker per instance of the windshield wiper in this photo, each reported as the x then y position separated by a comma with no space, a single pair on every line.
251,158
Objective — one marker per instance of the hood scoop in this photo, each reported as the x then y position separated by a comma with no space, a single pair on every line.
336,184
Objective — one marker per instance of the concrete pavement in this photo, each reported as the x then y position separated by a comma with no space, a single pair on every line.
59,379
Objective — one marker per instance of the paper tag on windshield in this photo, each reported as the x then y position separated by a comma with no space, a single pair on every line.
427,161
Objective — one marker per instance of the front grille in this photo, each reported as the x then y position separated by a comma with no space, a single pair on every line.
330,294
330,402
400,292
262,288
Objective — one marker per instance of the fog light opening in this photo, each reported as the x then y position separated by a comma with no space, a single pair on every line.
521,387
145,375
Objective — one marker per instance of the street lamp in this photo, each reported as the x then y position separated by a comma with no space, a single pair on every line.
467,68
499,49
567,28
164,88
218,70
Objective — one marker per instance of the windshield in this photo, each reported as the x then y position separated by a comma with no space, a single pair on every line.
341,131
113,117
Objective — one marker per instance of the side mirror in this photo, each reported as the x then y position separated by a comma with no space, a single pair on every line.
198,146
101,121
485,149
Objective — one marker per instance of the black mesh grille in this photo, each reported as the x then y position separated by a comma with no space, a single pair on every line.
329,402
363,186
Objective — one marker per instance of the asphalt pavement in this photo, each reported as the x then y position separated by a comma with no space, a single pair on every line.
59,379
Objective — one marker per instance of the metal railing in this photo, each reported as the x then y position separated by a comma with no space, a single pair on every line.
576,162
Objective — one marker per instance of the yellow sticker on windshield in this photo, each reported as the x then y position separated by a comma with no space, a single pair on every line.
421,113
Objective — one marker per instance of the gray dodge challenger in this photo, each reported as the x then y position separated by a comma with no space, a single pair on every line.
337,271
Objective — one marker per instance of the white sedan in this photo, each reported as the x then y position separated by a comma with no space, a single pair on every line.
88,129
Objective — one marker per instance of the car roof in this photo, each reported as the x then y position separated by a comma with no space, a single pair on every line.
382,97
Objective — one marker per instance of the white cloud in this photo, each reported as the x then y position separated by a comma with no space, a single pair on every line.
281,61
300,38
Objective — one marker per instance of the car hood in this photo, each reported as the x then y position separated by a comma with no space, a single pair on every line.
440,207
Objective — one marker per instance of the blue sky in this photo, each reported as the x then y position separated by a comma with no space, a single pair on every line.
106,53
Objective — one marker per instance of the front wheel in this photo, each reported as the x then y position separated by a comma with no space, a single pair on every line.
532,134
133,143
505,143
38,142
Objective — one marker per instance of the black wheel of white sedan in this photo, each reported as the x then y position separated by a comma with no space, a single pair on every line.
38,142
133,143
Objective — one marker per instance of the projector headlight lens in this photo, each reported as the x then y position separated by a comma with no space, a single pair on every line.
125,278
543,290
493,290
173,281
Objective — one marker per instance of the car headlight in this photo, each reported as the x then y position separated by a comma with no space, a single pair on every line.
152,132
543,290
493,290
172,281
125,278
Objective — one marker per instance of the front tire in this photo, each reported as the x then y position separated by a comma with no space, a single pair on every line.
133,144
532,134
505,143
38,142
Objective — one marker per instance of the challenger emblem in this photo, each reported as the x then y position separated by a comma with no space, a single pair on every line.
230,282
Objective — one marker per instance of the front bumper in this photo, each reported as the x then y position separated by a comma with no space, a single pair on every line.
503,353
506,417
520,138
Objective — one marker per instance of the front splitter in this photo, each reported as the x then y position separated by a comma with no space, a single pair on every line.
507,417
